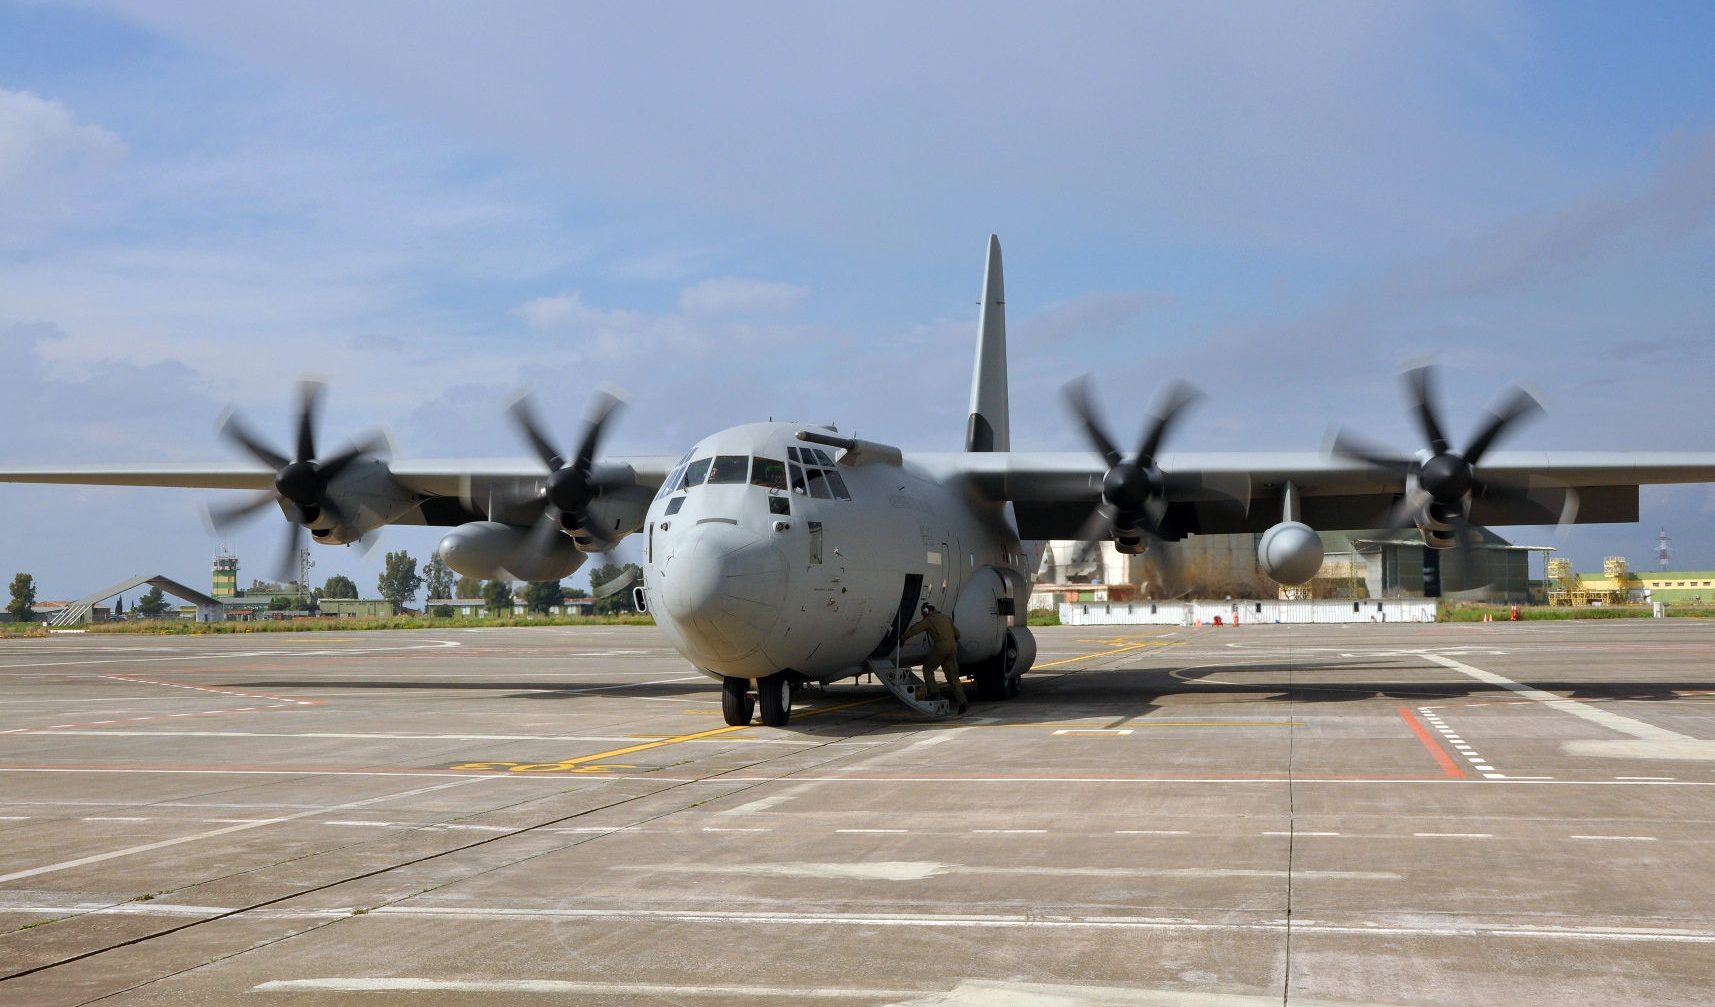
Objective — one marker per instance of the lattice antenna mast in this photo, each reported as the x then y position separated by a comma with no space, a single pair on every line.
304,564
1663,552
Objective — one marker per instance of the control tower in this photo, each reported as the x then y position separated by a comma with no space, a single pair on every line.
225,574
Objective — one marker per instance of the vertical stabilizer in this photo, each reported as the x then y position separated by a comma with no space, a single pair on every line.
988,426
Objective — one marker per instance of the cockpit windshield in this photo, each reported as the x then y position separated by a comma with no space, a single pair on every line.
695,472
769,473
730,469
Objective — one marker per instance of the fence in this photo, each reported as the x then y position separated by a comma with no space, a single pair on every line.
1193,613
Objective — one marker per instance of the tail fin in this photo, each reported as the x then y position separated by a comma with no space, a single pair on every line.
988,426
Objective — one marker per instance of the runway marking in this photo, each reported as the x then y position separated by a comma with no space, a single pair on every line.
579,989
583,762
163,844
917,870
1656,742
282,702
1010,832
233,655
1107,653
876,831
357,736
1099,732
1151,832
1453,835
1640,839
1448,766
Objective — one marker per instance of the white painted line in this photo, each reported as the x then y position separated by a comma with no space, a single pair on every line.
710,828
890,832
1652,778
1010,832
163,844
373,825
1099,731
1639,839
14,818
1596,715
1151,832
580,990
1454,835
1494,776
114,818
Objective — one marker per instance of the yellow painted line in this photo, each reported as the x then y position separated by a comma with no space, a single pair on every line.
571,765
1160,723
1107,653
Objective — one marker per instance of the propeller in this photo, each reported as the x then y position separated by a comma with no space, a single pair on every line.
571,485
1135,492
300,481
1441,480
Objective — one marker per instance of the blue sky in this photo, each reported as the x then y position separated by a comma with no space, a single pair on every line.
780,209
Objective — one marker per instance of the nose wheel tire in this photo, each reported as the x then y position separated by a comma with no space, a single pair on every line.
774,694
737,706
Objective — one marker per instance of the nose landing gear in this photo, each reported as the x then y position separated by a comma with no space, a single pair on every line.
773,693
737,704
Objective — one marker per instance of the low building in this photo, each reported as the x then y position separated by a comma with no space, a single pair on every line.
356,608
476,608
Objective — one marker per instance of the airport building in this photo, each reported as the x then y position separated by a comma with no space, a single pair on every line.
1355,565
1618,584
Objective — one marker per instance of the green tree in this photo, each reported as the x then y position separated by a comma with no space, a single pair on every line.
619,601
22,605
498,595
576,592
468,587
399,581
438,582
152,605
340,586
540,596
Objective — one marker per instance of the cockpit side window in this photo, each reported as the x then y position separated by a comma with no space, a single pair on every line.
768,472
820,455
674,504
671,483
729,469
695,472
838,485
797,478
818,484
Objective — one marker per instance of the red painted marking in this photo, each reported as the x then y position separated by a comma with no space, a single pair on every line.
1448,766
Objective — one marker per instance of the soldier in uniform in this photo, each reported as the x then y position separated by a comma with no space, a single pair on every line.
943,652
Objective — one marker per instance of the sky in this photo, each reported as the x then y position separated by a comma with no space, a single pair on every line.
747,210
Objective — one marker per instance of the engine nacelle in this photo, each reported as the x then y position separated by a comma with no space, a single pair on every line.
981,615
1290,553
489,550
366,495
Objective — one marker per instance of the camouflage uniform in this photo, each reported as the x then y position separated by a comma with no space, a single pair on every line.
943,653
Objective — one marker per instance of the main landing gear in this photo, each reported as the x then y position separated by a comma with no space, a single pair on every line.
773,694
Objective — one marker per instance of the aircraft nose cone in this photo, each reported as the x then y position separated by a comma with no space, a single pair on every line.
724,589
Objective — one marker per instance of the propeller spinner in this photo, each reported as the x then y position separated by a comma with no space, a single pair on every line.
301,481
1442,481
1135,492
571,484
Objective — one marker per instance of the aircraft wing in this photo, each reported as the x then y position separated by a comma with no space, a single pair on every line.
1053,493
428,480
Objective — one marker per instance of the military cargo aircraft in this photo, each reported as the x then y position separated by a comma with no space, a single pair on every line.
780,554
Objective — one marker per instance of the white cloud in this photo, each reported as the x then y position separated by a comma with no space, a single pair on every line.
733,295
47,159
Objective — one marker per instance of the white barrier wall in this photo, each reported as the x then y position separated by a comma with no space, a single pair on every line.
1192,613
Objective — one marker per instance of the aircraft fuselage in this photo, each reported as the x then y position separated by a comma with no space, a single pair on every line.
776,559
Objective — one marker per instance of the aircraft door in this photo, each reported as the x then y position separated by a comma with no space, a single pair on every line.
903,616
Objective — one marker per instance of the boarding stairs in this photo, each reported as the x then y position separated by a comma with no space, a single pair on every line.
904,683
